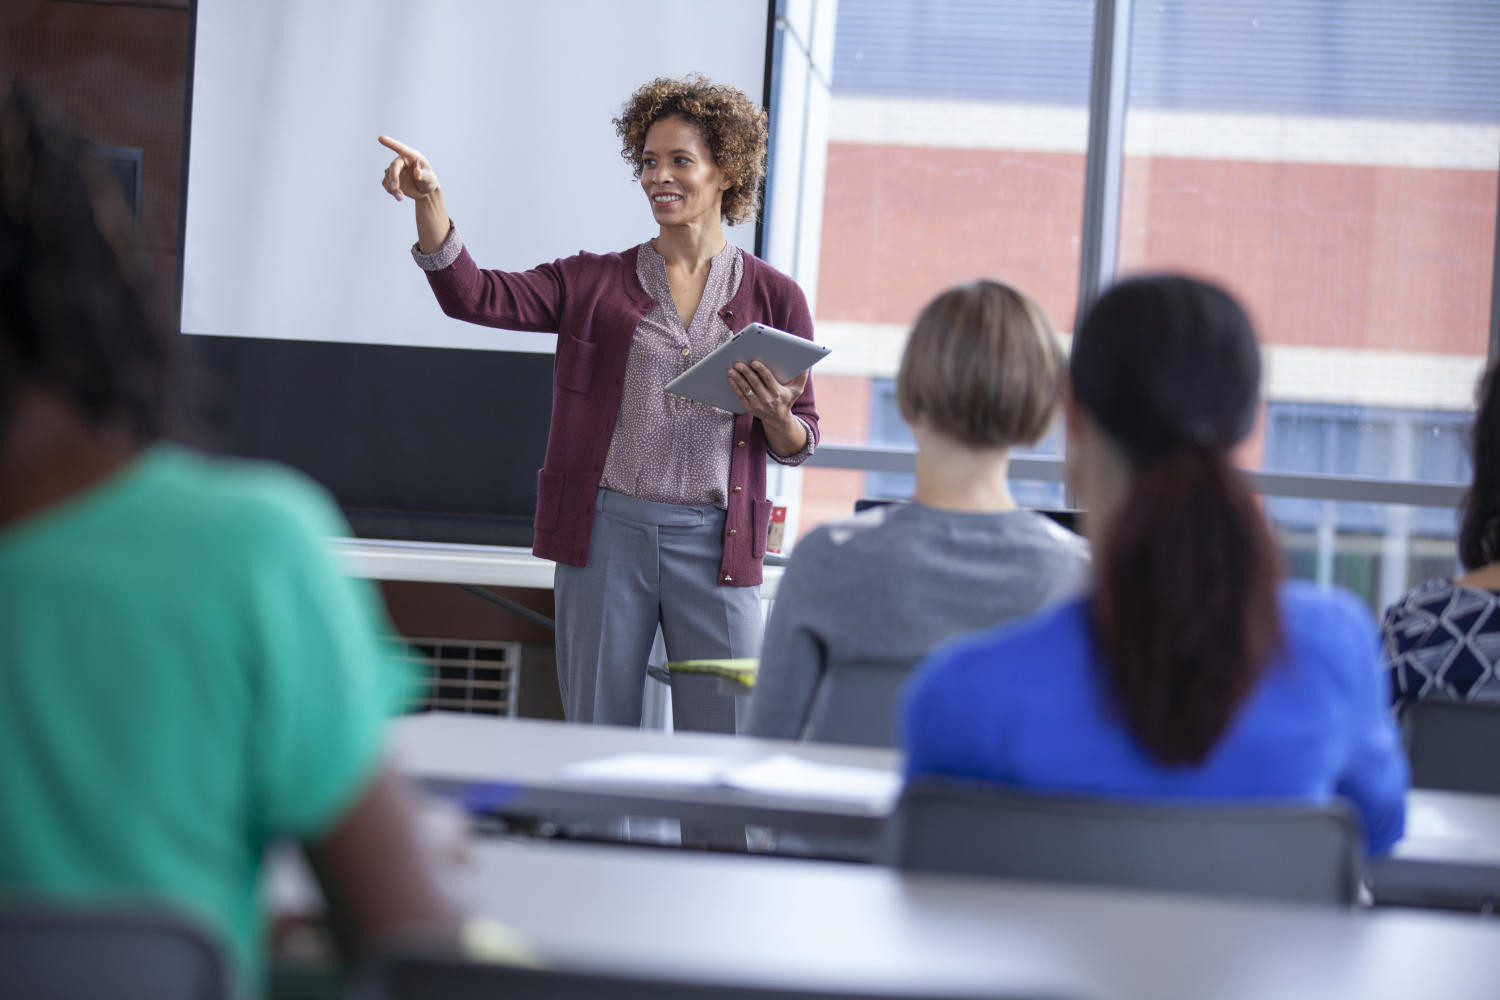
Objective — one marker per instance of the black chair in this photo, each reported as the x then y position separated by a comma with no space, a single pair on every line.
1453,745
406,978
856,703
62,954
1276,852
1067,517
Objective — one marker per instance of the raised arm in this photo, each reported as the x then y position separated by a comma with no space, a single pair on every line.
525,300
411,176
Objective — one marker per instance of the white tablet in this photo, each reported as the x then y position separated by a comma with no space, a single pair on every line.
785,354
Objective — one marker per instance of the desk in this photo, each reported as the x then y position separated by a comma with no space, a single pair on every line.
811,924
519,764
1450,855
481,565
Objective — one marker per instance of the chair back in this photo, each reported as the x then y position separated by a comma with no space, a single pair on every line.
61,954
856,703
1279,852
1453,745
415,978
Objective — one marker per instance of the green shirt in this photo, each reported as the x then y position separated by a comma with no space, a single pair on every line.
184,673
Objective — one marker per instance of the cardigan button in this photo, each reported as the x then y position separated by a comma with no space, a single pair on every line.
729,314
732,532
740,445
728,577
736,489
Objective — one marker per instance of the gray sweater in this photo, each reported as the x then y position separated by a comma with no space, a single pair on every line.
891,583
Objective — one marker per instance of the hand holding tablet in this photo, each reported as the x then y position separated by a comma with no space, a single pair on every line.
755,354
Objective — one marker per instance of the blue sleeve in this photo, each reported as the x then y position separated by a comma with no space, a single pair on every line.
1375,775
937,723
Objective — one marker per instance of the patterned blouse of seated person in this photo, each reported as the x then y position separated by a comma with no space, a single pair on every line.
1186,671
980,375
185,673
1442,640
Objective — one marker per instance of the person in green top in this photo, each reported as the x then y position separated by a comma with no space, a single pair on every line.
184,672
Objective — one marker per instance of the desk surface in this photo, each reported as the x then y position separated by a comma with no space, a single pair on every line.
523,761
817,924
483,565
1450,856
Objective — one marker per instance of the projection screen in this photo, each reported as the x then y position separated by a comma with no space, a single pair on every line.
288,233
313,338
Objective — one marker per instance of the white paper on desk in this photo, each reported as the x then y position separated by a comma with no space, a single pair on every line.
650,769
785,774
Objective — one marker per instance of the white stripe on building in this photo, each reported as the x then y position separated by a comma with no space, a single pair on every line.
1294,373
1266,138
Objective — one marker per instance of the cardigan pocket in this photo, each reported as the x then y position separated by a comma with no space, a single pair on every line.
760,523
574,365
549,494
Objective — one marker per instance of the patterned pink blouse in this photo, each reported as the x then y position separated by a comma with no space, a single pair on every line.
666,448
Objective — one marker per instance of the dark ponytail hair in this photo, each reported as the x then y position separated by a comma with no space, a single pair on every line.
1184,607
1479,537
71,316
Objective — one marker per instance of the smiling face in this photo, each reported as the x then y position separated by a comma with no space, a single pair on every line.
679,175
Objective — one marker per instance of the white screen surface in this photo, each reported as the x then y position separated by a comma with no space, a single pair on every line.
289,234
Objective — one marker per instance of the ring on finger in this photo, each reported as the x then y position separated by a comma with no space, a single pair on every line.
749,392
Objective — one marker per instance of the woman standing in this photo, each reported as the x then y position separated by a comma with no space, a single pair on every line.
653,506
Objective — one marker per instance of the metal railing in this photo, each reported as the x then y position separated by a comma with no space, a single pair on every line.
1358,489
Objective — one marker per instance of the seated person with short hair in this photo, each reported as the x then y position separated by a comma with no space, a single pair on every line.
184,671
979,376
1187,671
1442,640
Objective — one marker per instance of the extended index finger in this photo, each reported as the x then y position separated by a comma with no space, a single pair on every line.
400,147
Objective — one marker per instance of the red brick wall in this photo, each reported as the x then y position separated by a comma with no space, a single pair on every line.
900,224
115,74
1326,255
1322,254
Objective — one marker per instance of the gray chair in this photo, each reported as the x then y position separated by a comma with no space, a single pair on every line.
408,978
1453,745
64,954
1277,852
856,703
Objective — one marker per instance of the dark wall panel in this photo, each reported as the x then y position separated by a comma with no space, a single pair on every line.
419,443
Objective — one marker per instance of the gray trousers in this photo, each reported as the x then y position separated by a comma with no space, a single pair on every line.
650,563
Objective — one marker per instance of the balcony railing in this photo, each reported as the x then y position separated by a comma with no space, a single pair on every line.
1358,489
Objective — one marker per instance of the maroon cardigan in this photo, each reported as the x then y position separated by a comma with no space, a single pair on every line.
594,303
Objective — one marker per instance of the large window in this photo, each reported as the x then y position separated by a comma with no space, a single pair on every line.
957,136
1333,163
1376,550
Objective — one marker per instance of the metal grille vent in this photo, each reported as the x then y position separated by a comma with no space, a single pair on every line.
464,675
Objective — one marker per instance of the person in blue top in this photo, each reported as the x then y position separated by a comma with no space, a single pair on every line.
1187,671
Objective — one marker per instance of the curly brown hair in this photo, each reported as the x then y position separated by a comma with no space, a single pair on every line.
731,123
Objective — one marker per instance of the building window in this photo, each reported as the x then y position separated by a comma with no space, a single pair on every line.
1377,550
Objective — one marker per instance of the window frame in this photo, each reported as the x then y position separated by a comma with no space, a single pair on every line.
1099,243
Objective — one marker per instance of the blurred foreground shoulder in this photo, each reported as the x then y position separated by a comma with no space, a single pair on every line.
261,500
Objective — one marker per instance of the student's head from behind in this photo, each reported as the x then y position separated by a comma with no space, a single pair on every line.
982,368
1479,537
1165,377
72,326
